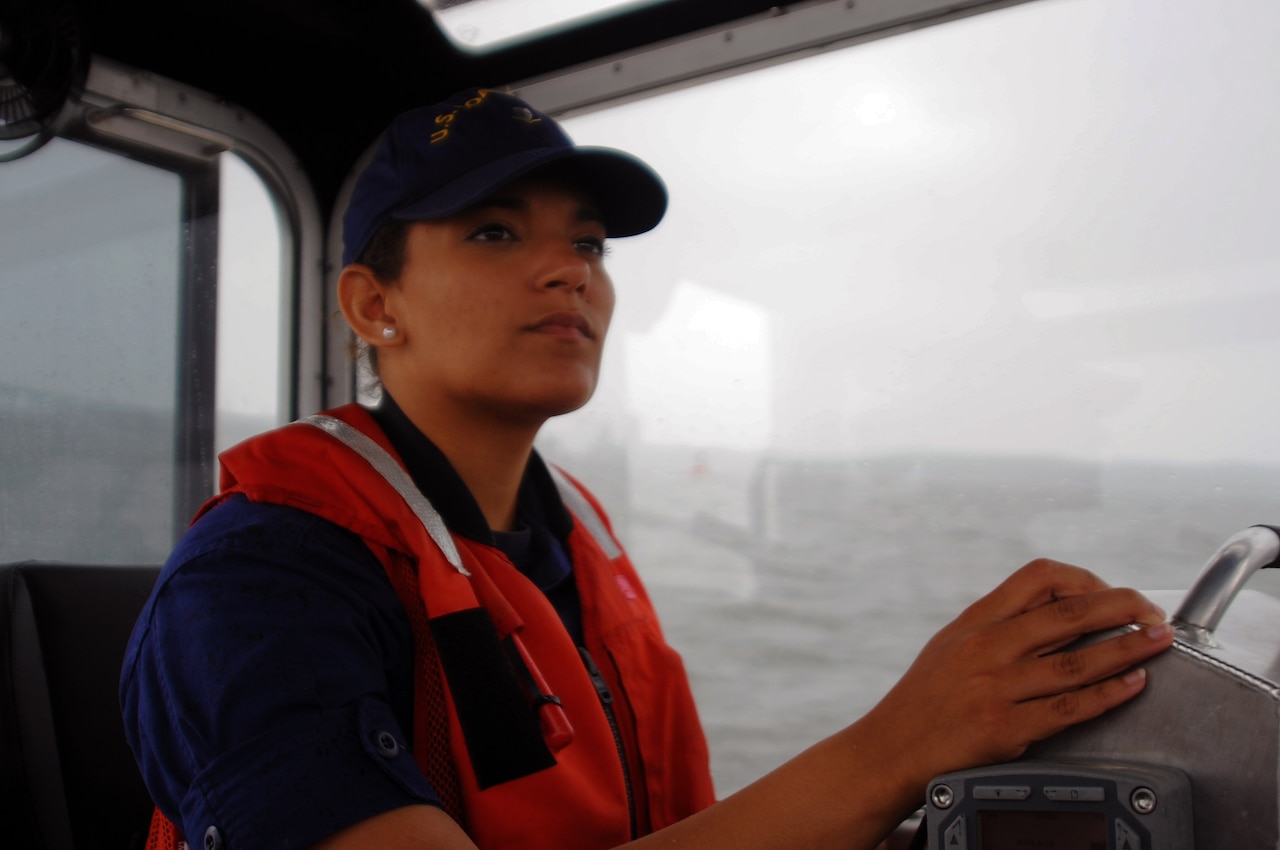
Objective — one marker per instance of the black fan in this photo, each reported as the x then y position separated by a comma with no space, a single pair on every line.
42,64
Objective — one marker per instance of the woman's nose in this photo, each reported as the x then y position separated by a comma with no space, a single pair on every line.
563,266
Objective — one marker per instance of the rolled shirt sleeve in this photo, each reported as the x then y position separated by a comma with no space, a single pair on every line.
268,685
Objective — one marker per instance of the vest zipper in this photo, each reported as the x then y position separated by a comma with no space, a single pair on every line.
606,702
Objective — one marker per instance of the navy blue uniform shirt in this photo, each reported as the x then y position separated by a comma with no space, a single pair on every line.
268,686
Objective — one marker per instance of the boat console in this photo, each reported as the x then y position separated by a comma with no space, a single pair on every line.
1191,764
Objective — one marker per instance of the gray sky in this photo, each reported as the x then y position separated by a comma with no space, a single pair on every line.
1047,229
1042,230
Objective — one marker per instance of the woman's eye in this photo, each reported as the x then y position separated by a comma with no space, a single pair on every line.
492,232
593,245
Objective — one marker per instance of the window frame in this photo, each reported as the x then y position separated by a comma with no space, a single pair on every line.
163,123
779,35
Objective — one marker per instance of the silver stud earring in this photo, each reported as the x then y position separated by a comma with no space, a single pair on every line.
388,332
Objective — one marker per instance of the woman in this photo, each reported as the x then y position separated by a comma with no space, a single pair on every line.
399,628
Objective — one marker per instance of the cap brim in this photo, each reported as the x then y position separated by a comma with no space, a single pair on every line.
631,196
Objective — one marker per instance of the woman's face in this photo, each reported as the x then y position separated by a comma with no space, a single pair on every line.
502,309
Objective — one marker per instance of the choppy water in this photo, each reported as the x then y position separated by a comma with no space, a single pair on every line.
798,593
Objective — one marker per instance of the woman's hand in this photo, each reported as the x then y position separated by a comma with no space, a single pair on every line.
990,683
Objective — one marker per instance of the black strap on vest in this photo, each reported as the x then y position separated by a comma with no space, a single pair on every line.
499,722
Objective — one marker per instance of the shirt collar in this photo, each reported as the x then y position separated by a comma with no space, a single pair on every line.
538,502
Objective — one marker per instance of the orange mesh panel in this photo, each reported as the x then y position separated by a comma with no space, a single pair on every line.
164,835
431,716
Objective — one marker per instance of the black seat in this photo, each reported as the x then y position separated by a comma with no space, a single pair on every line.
67,777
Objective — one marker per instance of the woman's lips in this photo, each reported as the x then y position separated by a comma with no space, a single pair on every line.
564,324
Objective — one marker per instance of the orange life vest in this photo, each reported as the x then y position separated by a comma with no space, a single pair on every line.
589,775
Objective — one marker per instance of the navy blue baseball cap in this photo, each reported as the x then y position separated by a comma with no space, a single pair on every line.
439,160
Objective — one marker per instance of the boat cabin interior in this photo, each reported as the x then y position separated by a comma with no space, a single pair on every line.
944,286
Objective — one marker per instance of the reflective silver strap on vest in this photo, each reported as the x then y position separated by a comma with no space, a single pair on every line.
586,512
397,478
422,508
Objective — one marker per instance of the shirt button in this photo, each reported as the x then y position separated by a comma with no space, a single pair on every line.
212,839
387,744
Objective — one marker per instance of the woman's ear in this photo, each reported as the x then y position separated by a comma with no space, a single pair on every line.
362,298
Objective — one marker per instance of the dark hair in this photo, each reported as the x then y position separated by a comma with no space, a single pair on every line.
386,249
385,256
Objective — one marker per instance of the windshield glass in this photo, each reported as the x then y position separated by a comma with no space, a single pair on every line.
925,309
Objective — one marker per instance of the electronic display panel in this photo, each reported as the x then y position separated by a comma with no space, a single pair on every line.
1022,830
